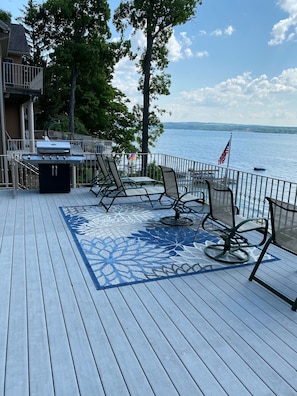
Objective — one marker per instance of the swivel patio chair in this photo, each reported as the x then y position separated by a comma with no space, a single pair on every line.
181,201
283,217
126,188
231,225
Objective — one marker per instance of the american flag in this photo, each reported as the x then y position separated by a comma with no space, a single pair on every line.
224,154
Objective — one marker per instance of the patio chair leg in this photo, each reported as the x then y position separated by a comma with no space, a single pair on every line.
252,275
233,255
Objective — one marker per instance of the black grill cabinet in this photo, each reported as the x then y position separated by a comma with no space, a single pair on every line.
54,178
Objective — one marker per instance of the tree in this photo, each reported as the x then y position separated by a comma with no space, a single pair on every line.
5,16
33,34
156,19
100,109
76,34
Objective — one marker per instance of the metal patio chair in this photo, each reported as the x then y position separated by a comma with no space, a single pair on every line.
126,188
232,225
283,217
181,201
103,179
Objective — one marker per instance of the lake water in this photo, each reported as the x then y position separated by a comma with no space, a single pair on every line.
275,152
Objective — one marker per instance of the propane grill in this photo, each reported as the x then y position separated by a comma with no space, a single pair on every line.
53,159
53,153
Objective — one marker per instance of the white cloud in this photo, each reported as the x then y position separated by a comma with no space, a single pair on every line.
228,31
245,89
186,40
175,49
126,76
180,48
126,80
289,6
189,53
241,99
285,29
217,32
138,39
202,54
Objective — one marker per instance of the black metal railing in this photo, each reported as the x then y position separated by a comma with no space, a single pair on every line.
249,189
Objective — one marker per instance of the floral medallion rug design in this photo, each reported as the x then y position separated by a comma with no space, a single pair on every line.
130,244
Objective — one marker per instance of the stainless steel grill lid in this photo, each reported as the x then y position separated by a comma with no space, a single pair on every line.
53,147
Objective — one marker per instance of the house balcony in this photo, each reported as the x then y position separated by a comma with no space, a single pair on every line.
21,81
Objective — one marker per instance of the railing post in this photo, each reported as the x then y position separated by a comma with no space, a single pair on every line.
14,174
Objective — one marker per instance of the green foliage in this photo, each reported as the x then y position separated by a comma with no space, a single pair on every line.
156,19
5,16
30,21
77,31
154,171
61,124
72,40
155,126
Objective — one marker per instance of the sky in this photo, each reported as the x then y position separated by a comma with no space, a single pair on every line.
234,62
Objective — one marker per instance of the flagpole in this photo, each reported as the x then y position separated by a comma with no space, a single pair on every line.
230,141
227,168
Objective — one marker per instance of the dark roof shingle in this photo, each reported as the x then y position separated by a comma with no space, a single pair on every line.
18,42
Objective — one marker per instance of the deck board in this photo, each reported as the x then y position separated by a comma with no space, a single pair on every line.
206,334
163,353
17,377
64,375
153,368
236,331
38,347
198,354
217,330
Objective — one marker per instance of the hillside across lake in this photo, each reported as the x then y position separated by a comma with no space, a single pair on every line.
208,126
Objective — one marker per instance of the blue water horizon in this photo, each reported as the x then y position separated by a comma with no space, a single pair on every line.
275,152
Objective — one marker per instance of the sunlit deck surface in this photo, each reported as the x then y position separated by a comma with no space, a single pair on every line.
211,334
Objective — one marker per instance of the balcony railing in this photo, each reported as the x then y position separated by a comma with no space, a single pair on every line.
22,77
17,147
249,189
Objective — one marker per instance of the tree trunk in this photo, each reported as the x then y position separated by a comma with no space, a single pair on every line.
146,102
74,73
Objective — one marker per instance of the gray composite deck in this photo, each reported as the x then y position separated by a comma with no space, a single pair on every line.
209,334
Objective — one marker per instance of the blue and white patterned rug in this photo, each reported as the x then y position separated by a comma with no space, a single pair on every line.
129,244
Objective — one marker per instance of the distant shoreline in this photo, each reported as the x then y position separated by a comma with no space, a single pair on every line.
207,126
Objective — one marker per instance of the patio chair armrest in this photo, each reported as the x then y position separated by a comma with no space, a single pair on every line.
130,183
194,193
254,219
185,188
263,224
